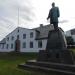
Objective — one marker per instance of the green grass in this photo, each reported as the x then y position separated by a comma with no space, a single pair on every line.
73,51
10,61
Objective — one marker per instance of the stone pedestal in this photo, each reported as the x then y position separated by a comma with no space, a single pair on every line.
56,49
56,56
56,40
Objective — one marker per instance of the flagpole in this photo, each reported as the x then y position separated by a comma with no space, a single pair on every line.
18,17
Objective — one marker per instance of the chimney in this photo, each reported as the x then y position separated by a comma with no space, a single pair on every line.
41,25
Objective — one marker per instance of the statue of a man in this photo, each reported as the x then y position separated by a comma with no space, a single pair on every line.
53,15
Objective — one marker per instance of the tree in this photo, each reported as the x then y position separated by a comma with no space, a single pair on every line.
70,40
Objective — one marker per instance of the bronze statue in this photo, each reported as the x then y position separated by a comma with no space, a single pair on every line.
53,15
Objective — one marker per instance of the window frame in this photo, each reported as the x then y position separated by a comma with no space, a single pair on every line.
40,44
24,45
31,34
24,36
12,46
7,46
31,44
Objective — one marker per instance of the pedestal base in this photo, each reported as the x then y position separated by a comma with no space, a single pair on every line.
57,56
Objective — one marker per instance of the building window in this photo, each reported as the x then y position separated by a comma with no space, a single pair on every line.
31,44
39,44
17,36
7,38
2,46
73,32
31,35
24,36
24,44
12,38
18,30
7,46
11,46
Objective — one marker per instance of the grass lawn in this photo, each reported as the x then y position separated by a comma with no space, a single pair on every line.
9,62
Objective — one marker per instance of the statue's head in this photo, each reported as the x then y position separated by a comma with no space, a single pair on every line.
53,4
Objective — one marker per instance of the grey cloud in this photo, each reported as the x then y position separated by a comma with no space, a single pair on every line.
64,21
25,11
7,23
9,14
10,9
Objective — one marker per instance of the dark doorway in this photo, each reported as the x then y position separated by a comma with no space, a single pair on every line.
17,45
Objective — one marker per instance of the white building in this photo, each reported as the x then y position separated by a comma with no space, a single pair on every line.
26,40
71,33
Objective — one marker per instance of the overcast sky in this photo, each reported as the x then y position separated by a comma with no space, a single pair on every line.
32,13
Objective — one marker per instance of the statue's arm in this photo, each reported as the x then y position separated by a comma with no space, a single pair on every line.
58,12
49,15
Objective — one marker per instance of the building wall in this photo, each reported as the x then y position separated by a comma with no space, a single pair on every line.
68,33
27,40
73,36
2,47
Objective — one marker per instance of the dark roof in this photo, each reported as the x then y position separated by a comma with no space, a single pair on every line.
73,31
17,28
3,41
43,31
